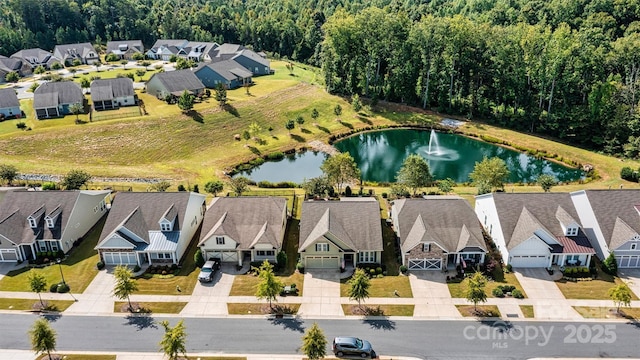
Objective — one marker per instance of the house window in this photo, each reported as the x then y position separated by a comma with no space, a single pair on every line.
165,227
490,229
54,246
265,252
634,246
50,223
367,257
42,245
485,220
164,256
32,222
426,247
322,247
219,240
572,231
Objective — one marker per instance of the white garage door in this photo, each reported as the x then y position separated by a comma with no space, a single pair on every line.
529,261
119,258
8,255
322,262
629,261
225,256
425,264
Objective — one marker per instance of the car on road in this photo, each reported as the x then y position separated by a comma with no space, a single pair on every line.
349,345
208,270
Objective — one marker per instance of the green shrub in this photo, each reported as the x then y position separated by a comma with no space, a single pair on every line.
509,268
517,294
372,271
100,265
198,258
378,270
281,258
63,288
300,267
53,288
136,268
610,265
497,292
49,186
507,288
628,174
403,269
275,156
384,195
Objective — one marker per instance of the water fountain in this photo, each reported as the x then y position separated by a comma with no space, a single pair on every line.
433,140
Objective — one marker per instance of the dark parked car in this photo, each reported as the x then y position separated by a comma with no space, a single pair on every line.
348,345
208,270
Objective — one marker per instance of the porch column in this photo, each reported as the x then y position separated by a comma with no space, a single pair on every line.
138,259
239,257
482,258
33,250
457,260
175,255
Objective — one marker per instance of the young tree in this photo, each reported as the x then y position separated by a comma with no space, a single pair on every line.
161,186
124,64
246,135
85,83
75,179
621,295
340,169
38,284
239,184
255,128
320,186
43,337
547,181
414,173
76,109
214,187
125,285
337,110
8,173
12,77
314,114
270,286
355,103
475,290
186,101
446,185
289,125
173,342
314,343
489,174
610,264
300,120
221,95
39,70
359,286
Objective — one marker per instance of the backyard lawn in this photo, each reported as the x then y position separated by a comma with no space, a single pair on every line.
78,269
482,311
153,307
590,290
185,280
383,287
378,310
245,285
459,289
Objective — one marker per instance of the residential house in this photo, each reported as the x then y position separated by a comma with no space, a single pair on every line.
228,73
47,221
335,234
53,99
9,104
125,49
239,229
253,62
9,65
85,52
164,49
150,227
199,51
32,58
611,220
438,233
226,51
112,93
174,83
535,229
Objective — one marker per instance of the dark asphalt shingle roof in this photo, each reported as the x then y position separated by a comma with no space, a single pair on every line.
253,56
35,56
177,81
80,50
8,98
110,89
616,213
114,46
51,94
228,69
9,64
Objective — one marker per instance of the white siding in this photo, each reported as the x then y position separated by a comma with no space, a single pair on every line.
192,219
85,214
486,207
589,223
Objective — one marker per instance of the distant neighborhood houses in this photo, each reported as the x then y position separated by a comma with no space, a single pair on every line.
112,93
54,99
9,104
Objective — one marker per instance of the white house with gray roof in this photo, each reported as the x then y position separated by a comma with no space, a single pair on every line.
9,104
535,229
84,52
239,229
336,234
53,99
164,49
33,222
112,93
150,227
125,49
438,232
611,220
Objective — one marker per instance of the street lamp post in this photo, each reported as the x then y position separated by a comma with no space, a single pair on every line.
60,266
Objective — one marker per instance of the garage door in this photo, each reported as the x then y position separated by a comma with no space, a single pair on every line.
119,258
322,262
8,255
425,264
630,261
529,261
225,256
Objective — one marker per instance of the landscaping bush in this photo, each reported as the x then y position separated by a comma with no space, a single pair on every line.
509,268
275,156
198,258
497,292
281,258
378,270
300,267
136,268
49,186
629,174
63,288
507,288
403,269
610,265
53,288
517,294
384,195
347,191
100,265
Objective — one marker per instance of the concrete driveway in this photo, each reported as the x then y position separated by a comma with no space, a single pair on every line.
321,294
210,298
632,278
548,300
432,295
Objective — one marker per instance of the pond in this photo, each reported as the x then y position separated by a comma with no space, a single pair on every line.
380,155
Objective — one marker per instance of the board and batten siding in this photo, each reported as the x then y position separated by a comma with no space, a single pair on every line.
590,224
487,214
89,208
194,213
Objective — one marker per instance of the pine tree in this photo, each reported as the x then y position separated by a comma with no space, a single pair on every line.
314,343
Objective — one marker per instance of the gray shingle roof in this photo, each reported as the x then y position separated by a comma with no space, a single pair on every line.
198,49
253,56
73,51
115,46
616,214
355,223
520,213
110,89
35,56
448,221
52,94
228,49
247,220
179,43
17,206
228,69
178,81
8,98
9,64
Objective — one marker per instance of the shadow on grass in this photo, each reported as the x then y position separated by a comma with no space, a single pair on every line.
296,324
231,110
322,128
196,116
283,310
346,124
298,138
365,120
254,150
141,321
306,131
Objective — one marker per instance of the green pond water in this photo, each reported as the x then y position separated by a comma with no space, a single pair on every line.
380,154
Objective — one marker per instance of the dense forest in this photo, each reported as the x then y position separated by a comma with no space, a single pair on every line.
565,68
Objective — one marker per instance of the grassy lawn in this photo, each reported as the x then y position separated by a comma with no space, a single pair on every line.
78,269
79,357
590,312
154,307
261,309
383,287
186,278
290,245
527,311
590,290
245,285
482,311
378,310
459,289
27,304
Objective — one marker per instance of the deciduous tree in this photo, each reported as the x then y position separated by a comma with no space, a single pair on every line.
125,285
414,173
221,95
340,169
314,343
621,295
239,184
489,174
269,286
75,179
8,173
214,187
43,337
476,289
289,125
38,284
76,109
173,343
547,181
359,286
